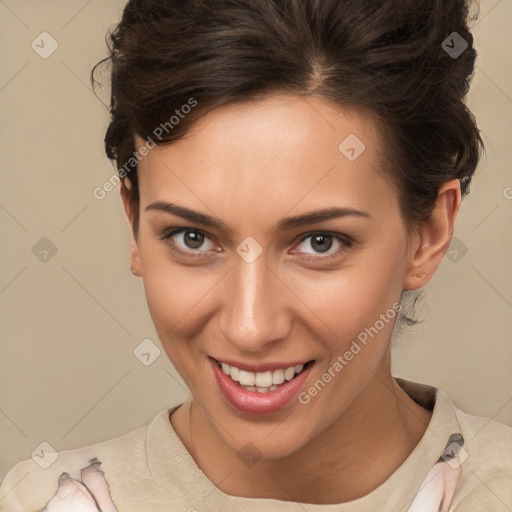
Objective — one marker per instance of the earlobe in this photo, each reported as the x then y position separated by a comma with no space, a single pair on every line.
430,243
135,260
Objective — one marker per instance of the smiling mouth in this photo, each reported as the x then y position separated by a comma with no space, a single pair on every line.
263,382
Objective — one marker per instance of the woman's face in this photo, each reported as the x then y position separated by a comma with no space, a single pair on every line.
259,280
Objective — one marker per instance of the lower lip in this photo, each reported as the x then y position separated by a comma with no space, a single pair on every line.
252,402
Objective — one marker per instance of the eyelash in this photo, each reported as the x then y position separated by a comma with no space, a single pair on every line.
344,239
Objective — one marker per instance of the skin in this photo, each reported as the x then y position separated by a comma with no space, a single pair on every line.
250,165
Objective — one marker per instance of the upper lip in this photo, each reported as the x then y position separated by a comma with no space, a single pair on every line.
261,367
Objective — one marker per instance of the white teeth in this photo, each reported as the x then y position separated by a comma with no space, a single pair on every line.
246,378
260,390
234,372
278,376
289,373
262,382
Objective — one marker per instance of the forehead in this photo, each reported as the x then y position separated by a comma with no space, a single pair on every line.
280,150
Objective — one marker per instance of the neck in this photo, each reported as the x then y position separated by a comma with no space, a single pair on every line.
352,457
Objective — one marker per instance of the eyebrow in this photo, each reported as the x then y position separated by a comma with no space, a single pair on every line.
282,225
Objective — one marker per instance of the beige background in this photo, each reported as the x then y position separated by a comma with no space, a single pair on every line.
69,326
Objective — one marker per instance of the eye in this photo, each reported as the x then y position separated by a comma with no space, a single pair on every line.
188,240
322,243
196,243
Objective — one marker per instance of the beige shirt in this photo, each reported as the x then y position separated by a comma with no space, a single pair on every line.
468,459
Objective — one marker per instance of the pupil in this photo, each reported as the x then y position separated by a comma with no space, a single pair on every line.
193,239
321,243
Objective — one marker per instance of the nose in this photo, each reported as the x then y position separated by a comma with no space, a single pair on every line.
254,310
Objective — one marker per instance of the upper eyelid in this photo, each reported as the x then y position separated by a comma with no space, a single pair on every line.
168,233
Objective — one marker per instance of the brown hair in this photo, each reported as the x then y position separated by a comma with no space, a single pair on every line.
387,57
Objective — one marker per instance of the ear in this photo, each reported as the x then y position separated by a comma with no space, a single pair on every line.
125,193
429,244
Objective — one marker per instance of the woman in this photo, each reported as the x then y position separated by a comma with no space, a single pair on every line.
289,169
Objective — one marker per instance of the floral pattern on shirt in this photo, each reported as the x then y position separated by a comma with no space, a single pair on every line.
438,489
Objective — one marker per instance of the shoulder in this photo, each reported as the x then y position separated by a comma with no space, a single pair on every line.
485,456
31,483
486,481
488,442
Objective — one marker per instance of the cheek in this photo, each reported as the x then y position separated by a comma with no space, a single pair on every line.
175,294
352,298
357,307
358,310
174,298
174,301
